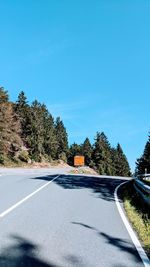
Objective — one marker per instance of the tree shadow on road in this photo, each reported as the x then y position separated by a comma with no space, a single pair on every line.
102,187
121,244
22,253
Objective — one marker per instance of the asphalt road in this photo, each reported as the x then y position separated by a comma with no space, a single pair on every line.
71,222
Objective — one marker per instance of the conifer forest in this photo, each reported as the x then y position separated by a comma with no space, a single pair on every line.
29,133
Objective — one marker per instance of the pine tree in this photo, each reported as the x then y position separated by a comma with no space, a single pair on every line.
74,150
114,157
120,163
4,97
22,110
36,138
102,154
50,140
143,163
62,139
10,141
87,150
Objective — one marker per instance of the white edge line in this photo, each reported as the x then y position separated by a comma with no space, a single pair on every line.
134,238
4,213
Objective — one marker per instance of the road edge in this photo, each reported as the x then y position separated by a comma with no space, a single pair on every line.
131,232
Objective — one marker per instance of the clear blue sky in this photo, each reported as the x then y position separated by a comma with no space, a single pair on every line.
89,61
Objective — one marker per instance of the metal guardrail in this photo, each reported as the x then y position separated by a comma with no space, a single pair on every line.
143,190
143,186
144,176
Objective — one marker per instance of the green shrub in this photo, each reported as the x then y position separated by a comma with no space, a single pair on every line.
24,156
63,157
2,159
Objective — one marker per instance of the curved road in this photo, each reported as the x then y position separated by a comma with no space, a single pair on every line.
71,221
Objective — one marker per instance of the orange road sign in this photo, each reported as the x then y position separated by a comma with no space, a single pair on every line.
79,161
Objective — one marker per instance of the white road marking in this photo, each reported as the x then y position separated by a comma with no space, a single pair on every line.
134,238
4,213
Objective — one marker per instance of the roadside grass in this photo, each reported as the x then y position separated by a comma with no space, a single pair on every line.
138,214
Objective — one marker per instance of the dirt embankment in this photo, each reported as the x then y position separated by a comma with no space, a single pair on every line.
59,164
83,170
